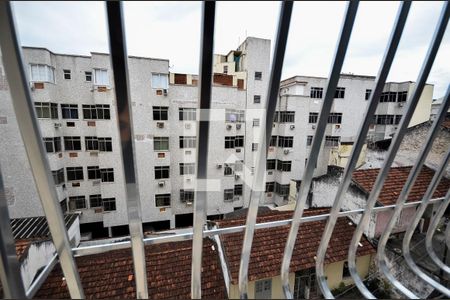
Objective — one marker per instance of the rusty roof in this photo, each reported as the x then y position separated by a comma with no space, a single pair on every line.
110,275
395,181
268,244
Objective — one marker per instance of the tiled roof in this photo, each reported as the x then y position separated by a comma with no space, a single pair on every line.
446,124
396,179
110,275
268,244
21,248
36,227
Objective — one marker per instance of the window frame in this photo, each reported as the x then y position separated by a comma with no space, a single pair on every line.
160,113
109,204
161,171
70,108
161,85
71,143
164,198
74,173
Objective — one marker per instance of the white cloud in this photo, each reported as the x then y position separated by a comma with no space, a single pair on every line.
172,30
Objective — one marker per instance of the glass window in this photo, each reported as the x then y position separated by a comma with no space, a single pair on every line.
187,114
228,194
72,143
101,77
77,202
402,96
160,113
96,112
270,187
316,92
42,73
94,172
335,118
69,111
340,92
239,141
284,166
162,172
309,139
238,189
105,144
162,200
273,141
161,143
46,110
281,189
263,289
257,99
109,204
286,117
270,164
332,141
258,75
160,81
255,122
107,175
67,74
229,142
187,195
91,143
58,176
313,117
228,170
188,142
368,93
187,168
95,201
88,76
74,173
286,141
254,146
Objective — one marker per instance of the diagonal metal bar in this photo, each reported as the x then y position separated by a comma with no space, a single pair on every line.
205,78
32,138
361,140
395,144
414,173
410,231
9,265
258,186
338,61
119,59
432,229
39,281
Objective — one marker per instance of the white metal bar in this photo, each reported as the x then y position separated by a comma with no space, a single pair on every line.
395,144
119,59
200,202
302,195
258,185
361,140
414,173
32,138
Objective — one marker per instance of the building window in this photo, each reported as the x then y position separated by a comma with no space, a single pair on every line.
368,92
162,172
58,176
273,141
74,173
388,97
161,143
162,200
345,270
77,202
232,115
187,114
270,187
91,143
225,69
72,143
229,142
228,170
42,73
256,99
402,96
88,76
239,141
340,92
101,77
95,201
160,113
52,145
109,204
313,117
187,195
287,117
398,118
228,195
254,147
67,74
238,190
335,118
263,289
258,75
271,164
316,92
387,119
255,122
105,144
96,112
281,189
94,172
187,168
69,111
332,141
160,81
284,166
107,175
309,139
63,204
285,141
188,142
46,110
275,118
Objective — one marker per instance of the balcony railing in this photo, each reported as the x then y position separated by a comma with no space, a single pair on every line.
29,128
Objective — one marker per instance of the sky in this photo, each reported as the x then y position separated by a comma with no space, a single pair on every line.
171,30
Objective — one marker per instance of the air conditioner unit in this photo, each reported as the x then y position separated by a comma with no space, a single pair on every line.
228,127
165,92
292,127
57,125
188,203
187,126
313,127
95,182
188,179
236,198
32,86
270,172
286,151
269,194
236,176
219,166
188,152
238,150
161,183
238,126
271,149
337,126
160,124
400,104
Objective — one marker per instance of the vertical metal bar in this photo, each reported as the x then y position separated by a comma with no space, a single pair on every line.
410,231
205,74
32,138
447,235
333,80
258,185
119,59
388,58
430,232
414,173
9,265
395,144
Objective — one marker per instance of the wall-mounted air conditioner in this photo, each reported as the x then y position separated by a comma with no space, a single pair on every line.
236,198
219,166
228,127
187,126
160,124
165,92
286,151
236,176
96,182
238,126
400,104
238,150
292,127
269,194
161,183
313,126
57,125
270,173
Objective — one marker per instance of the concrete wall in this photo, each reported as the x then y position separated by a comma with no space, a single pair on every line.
277,288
